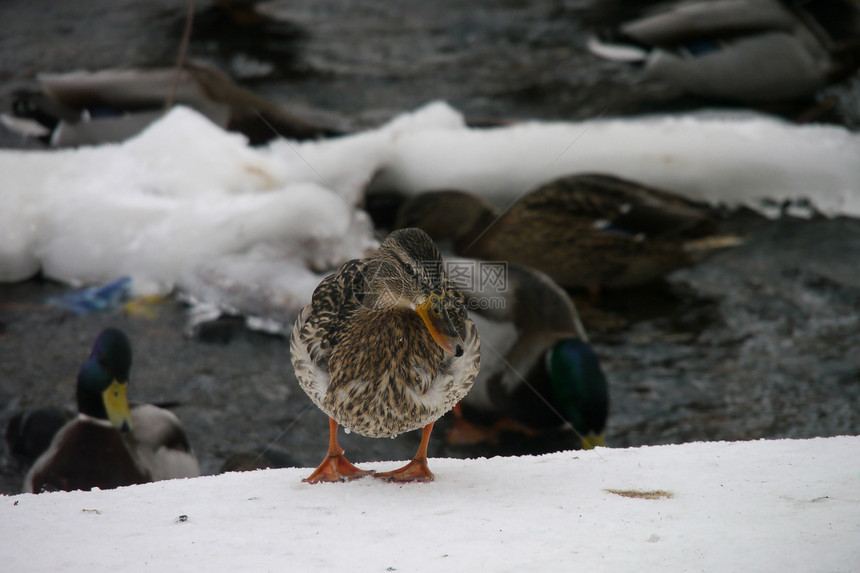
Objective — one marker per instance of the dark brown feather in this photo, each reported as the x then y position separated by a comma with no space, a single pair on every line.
88,454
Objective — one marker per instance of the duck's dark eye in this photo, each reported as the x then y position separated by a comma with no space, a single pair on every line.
409,269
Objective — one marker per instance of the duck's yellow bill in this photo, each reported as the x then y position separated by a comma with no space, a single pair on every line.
592,441
440,325
116,404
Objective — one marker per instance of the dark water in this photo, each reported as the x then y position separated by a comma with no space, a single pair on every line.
757,342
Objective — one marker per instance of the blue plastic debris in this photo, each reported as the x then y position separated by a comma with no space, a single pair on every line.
94,299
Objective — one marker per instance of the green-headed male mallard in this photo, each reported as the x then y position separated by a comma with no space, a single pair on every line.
584,231
385,347
108,444
540,374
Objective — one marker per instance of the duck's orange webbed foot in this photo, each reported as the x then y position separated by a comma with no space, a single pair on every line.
464,433
336,468
416,470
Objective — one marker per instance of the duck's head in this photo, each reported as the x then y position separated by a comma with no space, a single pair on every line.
448,216
407,272
579,389
103,379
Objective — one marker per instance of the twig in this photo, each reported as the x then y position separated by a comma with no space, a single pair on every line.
183,50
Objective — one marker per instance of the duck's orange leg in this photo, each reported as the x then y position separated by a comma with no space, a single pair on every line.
417,469
335,466
464,433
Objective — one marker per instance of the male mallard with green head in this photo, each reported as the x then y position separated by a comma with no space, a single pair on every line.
108,444
540,375
385,347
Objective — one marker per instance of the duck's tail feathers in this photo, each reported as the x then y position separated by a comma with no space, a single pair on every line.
616,51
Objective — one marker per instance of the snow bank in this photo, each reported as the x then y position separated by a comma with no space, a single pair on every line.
728,159
176,205
785,505
185,203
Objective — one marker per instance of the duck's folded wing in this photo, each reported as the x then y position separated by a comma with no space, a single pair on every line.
620,206
160,444
319,326
85,454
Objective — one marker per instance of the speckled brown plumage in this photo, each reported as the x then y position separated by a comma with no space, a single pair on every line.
365,356
386,391
583,230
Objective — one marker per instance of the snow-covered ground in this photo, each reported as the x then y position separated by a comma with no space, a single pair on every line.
761,506
255,229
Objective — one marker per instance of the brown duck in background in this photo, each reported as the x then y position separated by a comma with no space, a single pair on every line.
112,105
585,231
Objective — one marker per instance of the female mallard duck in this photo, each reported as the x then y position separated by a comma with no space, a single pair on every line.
540,375
109,445
385,347
584,231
